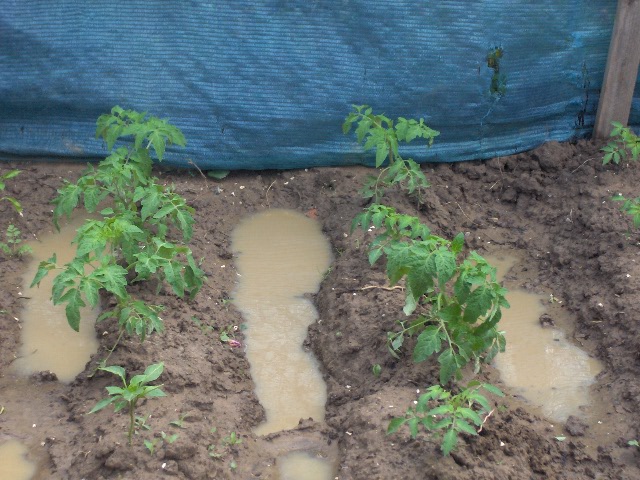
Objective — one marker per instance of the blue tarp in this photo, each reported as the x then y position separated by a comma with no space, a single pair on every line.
266,84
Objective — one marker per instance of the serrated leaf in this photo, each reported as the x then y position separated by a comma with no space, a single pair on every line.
74,301
449,442
449,365
493,389
463,426
478,303
470,414
428,343
395,424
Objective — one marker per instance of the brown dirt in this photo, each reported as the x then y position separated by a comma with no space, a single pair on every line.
550,206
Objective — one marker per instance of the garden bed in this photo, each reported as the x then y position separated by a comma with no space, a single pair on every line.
552,207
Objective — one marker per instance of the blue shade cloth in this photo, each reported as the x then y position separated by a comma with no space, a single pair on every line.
266,84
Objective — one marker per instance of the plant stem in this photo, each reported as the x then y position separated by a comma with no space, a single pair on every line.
132,406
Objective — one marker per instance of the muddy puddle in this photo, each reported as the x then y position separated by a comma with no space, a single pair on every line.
281,256
13,461
540,363
48,343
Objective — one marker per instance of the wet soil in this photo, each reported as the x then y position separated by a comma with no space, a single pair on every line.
551,207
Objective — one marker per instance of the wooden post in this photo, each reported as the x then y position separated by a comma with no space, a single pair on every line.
622,69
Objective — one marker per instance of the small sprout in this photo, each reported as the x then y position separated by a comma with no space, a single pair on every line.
130,393
377,370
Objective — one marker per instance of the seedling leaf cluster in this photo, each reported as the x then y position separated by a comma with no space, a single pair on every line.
379,133
453,303
141,233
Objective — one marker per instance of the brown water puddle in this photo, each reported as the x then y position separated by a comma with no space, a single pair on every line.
13,462
281,255
539,362
48,342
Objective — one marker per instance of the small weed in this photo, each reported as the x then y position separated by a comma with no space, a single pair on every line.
633,443
204,328
141,423
169,438
631,207
227,335
151,445
3,178
180,422
13,239
213,453
129,395
498,85
377,370
219,451
231,439
624,144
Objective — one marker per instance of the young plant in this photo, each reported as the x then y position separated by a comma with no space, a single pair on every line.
132,240
440,412
454,303
130,393
3,178
12,246
624,144
379,133
630,207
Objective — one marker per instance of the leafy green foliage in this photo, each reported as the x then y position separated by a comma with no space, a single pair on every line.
3,178
134,232
498,87
631,206
447,415
624,145
381,134
454,303
11,246
130,393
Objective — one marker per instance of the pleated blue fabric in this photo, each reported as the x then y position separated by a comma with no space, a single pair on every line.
266,84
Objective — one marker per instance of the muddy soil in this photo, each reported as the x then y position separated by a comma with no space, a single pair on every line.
551,207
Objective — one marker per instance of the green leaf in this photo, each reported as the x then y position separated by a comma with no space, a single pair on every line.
469,414
465,427
153,372
395,424
478,303
449,442
115,369
102,403
44,267
428,343
450,363
74,304
493,389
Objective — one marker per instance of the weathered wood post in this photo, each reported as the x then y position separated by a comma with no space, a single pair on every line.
622,69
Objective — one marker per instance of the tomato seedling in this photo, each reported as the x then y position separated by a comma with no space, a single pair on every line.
130,393
379,133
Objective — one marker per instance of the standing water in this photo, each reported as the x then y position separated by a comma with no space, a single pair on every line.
540,362
13,464
48,342
281,256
